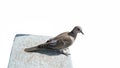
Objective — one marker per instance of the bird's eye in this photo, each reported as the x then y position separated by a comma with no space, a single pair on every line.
78,29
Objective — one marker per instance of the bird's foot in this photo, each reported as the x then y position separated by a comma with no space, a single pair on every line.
65,52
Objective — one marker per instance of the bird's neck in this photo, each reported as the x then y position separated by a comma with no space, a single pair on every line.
73,34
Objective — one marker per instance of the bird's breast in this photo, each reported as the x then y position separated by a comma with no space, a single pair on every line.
72,39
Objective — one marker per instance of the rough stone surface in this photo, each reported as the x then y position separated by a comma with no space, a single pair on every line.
43,59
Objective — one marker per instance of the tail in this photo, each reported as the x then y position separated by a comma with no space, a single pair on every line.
36,48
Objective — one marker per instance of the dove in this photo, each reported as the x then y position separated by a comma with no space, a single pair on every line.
60,42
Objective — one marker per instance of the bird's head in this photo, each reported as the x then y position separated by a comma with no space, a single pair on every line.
78,29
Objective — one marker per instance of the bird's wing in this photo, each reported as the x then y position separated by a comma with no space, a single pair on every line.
60,41
52,42
55,44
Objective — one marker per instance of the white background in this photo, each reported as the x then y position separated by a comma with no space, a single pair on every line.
100,20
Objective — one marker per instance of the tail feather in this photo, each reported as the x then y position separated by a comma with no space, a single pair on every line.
32,49
36,48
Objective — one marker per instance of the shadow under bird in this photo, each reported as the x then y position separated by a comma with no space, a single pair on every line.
60,43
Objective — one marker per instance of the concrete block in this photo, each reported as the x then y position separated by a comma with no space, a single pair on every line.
43,59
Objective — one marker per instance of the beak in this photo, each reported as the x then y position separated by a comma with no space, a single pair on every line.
82,32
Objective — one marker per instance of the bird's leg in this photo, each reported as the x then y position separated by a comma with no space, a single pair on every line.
64,51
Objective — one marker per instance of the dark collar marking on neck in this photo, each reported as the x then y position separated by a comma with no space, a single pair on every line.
72,34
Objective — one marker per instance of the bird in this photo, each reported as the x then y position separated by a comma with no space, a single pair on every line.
60,42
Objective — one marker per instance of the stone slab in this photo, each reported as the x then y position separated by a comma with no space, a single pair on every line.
44,59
